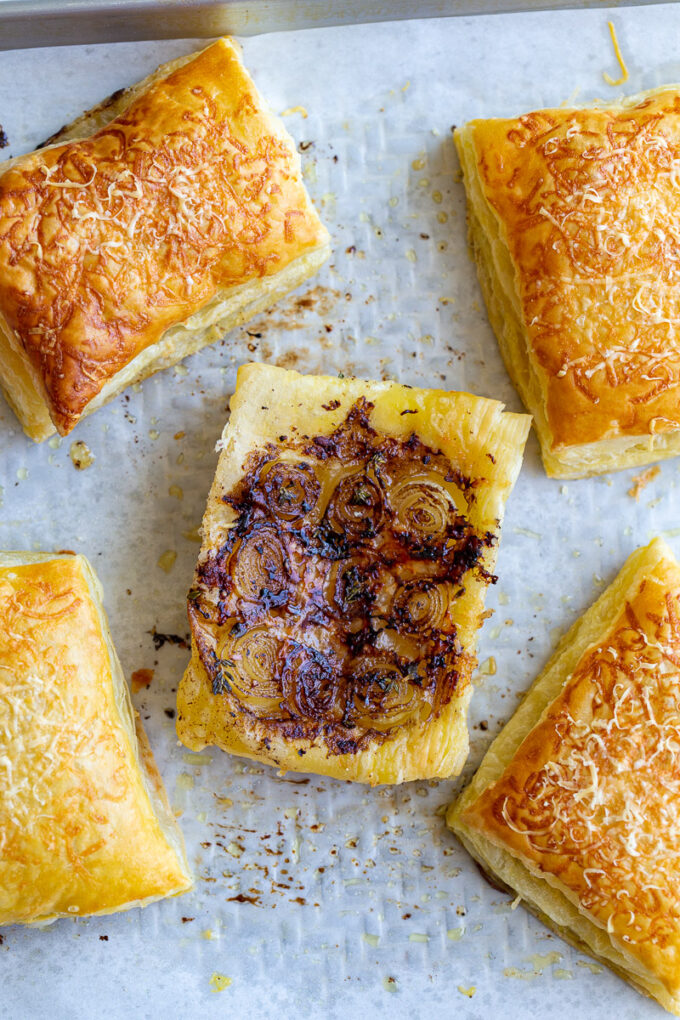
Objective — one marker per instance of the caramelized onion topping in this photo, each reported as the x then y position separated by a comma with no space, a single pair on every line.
356,507
334,584
382,697
253,667
312,686
422,507
291,489
421,606
258,564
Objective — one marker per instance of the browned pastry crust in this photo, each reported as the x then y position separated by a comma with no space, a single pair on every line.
574,217
192,192
85,825
587,801
342,575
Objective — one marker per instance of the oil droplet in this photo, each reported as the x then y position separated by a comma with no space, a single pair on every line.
54,443
176,491
167,561
22,474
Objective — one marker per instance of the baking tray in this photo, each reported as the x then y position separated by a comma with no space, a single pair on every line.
317,898
30,23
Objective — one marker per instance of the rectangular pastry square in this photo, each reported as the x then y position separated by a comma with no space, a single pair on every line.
575,806
159,220
85,825
350,534
574,218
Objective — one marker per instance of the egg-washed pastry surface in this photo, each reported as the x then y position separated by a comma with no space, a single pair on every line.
85,826
350,534
574,217
123,250
575,806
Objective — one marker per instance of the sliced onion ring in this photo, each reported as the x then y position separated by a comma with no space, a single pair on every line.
312,687
291,489
356,507
253,659
422,507
421,606
383,699
258,562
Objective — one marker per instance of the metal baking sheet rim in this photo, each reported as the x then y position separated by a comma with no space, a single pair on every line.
34,23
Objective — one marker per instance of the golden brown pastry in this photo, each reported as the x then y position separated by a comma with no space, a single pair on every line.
349,538
124,250
574,219
85,826
575,806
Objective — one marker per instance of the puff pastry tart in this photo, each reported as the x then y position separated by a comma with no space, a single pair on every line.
574,217
349,538
575,806
159,220
85,826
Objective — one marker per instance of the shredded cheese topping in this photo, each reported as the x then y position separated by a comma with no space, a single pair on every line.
619,56
591,797
591,204
106,242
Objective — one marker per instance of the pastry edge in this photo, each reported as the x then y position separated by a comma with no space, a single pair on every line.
542,897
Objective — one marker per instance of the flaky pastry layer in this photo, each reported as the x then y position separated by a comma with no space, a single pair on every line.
574,806
328,580
85,825
181,216
573,215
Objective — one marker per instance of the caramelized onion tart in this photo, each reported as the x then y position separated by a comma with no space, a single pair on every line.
350,534
147,229
575,806
574,217
85,825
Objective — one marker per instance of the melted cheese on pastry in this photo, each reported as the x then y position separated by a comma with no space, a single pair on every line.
574,218
124,251
348,541
576,805
85,826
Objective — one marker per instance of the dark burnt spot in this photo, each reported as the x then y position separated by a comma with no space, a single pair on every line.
358,540
159,639
242,898
4,140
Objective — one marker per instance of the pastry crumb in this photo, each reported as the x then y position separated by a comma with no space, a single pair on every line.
141,678
81,455
218,982
642,480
